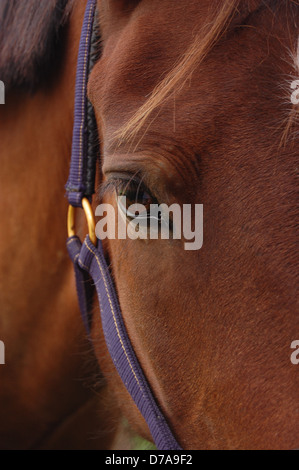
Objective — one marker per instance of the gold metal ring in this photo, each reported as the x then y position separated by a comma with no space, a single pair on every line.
71,230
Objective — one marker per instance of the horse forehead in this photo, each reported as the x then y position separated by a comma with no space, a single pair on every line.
116,14
141,47
139,52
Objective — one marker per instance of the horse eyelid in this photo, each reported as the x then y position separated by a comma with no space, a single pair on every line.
123,183
112,184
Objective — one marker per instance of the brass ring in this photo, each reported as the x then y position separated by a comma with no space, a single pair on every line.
71,230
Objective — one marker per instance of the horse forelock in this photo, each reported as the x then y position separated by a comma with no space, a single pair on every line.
30,40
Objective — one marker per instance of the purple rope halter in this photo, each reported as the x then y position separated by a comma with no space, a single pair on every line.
89,262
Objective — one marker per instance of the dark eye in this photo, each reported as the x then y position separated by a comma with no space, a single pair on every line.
133,192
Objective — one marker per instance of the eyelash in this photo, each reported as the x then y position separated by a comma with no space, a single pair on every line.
132,188
135,192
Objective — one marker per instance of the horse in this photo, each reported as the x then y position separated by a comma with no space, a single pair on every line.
48,397
198,102
194,105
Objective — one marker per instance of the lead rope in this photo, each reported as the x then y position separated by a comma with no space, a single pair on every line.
91,269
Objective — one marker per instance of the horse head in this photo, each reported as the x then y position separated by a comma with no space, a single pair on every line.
195,104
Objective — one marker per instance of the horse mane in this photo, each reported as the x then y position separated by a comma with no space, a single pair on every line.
228,14
31,41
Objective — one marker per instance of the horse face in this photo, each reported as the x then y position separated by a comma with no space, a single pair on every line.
211,328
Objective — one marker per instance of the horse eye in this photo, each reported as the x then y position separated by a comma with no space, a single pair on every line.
134,193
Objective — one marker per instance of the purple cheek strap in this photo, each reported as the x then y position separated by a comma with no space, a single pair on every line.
91,269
